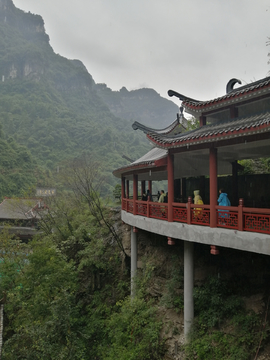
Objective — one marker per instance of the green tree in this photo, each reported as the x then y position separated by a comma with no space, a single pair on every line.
133,332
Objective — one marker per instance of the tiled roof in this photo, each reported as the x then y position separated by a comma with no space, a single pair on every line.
137,126
146,160
18,209
153,155
238,93
224,129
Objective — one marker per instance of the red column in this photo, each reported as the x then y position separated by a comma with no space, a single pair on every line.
213,185
170,187
123,190
127,189
135,192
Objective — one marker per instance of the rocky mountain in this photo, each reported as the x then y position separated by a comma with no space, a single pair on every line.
143,105
52,105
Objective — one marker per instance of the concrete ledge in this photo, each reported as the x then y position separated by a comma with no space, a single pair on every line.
234,239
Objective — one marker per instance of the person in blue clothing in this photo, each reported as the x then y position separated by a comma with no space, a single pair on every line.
223,200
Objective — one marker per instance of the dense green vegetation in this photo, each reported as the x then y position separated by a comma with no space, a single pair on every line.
19,172
65,294
223,328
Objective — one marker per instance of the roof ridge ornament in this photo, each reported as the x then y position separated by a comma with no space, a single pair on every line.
231,83
181,96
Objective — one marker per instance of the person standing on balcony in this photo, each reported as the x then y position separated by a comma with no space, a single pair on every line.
162,200
197,200
223,200
162,196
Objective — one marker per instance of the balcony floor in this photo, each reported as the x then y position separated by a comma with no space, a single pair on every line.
234,239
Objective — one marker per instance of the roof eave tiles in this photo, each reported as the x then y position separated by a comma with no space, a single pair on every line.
210,137
236,96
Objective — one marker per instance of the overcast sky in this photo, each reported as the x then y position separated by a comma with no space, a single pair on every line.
191,46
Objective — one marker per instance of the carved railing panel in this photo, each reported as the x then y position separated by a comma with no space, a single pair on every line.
141,208
257,223
180,213
124,204
200,216
227,219
129,205
159,211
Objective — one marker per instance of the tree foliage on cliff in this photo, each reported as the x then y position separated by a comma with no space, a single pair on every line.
65,293
19,172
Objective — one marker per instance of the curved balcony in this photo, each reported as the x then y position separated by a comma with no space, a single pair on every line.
239,217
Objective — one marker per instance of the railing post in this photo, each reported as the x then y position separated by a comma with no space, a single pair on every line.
148,206
240,215
189,210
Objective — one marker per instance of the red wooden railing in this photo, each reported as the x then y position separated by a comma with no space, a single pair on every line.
230,217
257,220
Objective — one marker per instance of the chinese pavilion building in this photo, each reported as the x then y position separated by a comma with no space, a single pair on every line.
232,127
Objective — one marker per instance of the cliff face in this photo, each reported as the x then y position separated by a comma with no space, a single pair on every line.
6,5
21,35
25,22
26,53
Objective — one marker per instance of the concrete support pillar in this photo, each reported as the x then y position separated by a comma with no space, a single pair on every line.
213,186
134,252
188,286
170,186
